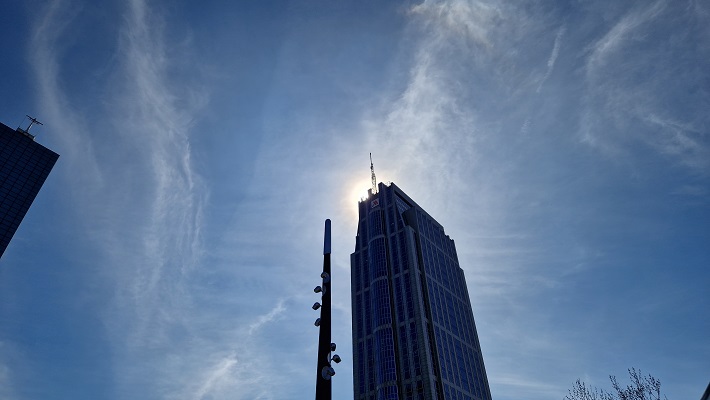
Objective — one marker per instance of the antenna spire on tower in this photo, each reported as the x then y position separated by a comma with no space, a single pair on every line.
374,180
26,131
33,121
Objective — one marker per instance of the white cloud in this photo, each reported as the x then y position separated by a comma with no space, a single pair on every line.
136,185
268,317
221,370
149,116
623,31
631,74
525,129
680,140
553,56
57,113
447,19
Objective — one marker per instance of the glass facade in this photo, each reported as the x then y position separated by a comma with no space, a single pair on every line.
414,336
24,166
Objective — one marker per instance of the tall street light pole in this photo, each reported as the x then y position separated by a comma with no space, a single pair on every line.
325,372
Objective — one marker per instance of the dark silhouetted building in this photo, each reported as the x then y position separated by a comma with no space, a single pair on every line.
414,336
24,166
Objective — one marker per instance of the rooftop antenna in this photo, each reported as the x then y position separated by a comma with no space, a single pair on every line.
374,180
33,121
26,132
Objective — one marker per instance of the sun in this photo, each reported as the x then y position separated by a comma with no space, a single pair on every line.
354,191
358,191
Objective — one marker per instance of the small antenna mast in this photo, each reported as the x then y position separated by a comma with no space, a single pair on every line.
32,122
374,180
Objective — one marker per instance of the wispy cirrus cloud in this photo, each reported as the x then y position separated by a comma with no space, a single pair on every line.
156,120
134,178
236,361
553,56
268,317
447,19
681,140
45,52
429,124
630,69
620,33
223,369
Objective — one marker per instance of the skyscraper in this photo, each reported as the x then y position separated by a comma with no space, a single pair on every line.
414,336
24,166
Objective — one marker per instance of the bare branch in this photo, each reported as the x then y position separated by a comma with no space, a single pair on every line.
641,388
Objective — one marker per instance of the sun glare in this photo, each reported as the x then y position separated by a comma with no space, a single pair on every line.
356,192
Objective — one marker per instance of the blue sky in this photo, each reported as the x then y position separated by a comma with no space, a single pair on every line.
171,254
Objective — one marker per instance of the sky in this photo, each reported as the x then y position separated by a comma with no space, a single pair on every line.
172,252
